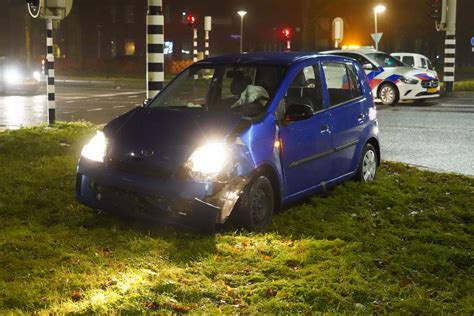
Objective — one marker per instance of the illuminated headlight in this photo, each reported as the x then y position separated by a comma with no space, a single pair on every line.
12,76
95,149
209,160
409,80
37,76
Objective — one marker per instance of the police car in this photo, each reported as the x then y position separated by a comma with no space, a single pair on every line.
390,79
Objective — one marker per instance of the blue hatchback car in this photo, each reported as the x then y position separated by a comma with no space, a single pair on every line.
235,137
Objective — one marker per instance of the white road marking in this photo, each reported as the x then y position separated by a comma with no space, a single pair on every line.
116,94
133,96
95,110
70,101
119,106
109,95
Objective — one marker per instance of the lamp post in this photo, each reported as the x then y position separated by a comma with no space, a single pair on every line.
377,10
242,14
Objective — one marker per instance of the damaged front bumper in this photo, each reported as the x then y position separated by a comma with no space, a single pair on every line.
171,201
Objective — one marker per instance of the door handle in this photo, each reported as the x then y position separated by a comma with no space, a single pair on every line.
361,118
325,129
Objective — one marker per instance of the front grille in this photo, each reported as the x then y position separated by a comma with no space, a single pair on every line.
430,84
139,168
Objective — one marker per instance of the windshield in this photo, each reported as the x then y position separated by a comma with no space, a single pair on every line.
385,60
240,89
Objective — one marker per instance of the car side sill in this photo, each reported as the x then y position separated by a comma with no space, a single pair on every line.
323,154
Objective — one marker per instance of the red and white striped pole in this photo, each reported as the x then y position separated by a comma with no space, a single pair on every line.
207,30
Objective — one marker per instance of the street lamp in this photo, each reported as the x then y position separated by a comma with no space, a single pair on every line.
242,14
377,10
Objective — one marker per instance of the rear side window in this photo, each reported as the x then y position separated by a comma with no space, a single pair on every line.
306,89
409,60
356,90
424,64
342,83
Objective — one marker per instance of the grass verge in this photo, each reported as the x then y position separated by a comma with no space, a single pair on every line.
464,85
402,244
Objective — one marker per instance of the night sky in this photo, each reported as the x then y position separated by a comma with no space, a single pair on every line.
406,25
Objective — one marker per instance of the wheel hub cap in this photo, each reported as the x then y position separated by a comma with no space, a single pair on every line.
387,95
369,166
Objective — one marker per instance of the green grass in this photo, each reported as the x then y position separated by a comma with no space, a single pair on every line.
402,244
466,85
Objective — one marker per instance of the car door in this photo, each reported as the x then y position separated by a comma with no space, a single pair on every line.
346,110
306,145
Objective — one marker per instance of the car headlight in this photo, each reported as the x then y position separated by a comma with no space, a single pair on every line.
209,160
409,80
12,76
37,76
96,148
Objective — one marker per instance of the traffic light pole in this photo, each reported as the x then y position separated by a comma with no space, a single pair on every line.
155,48
450,46
51,89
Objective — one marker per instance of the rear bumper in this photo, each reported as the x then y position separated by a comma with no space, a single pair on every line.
169,201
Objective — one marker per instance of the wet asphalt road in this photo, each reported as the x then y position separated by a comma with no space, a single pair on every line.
436,135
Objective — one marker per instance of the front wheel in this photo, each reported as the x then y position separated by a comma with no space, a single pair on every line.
368,164
388,94
256,205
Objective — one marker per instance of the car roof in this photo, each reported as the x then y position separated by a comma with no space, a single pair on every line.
362,51
409,54
266,58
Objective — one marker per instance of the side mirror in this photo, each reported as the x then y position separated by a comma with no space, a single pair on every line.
298,112
368,67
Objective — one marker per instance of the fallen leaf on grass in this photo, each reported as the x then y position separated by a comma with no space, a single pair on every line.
181,308
271,292
77,295
404,282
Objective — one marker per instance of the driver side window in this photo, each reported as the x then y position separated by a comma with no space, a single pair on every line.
306,89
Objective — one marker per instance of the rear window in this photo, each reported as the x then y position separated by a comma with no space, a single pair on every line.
384,60
342,83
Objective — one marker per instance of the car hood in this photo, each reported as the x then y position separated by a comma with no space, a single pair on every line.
161,140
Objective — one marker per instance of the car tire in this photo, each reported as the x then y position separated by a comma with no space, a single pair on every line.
256,206
388,94
368,163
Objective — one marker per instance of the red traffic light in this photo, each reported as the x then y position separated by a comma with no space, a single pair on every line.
436,6
287,33
191,20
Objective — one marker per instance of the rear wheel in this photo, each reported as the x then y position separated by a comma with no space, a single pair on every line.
388,94
368,164
256,205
